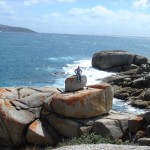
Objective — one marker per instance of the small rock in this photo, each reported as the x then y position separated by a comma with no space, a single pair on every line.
134,124
107,128
139,60
138,82
144,141
139,103
147,117
138,135
72,84
147,95
148,131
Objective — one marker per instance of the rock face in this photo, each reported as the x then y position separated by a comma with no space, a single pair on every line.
19,107
108,59
72,84
43,116
28,114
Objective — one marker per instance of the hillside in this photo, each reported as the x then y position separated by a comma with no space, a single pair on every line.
5,28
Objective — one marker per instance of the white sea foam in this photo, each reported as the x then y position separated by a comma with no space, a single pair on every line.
120,106
93,75
60,58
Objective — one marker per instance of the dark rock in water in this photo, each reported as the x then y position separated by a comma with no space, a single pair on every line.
109,59
118,60
139,60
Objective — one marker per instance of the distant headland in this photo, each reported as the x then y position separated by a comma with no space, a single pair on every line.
5,28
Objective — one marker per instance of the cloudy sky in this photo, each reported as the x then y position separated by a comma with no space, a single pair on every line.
100,17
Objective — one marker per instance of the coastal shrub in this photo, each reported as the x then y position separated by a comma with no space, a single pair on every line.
86,139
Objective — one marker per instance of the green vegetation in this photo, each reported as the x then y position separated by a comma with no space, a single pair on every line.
84,139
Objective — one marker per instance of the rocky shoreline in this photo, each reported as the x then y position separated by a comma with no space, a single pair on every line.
132,80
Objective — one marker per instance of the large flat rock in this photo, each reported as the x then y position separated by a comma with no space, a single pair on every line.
86,103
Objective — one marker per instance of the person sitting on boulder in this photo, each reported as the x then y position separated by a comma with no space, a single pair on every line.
78,73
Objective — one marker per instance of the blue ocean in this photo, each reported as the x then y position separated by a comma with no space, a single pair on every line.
40,59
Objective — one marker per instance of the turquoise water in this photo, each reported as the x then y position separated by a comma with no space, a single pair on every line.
48,59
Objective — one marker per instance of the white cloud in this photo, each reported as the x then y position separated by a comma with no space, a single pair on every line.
32,2
95,11
98,20
5,8
140,4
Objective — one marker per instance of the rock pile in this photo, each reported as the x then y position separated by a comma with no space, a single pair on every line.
41,115
44,115
132,82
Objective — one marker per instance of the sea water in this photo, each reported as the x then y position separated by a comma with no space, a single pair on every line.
40,59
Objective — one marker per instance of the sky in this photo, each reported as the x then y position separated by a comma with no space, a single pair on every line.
92,17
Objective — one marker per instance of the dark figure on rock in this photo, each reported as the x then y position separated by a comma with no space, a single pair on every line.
78,73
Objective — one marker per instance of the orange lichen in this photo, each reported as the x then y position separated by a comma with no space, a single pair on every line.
42,98
99,86
2,91
71,99
7,104
139,119
34,125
